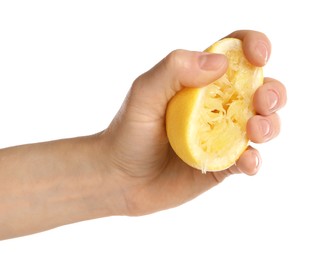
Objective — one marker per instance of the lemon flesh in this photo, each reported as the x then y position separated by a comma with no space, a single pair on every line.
206,127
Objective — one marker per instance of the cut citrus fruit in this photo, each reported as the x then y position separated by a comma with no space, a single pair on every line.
206,126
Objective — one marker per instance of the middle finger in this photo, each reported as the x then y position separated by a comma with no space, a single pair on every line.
270,97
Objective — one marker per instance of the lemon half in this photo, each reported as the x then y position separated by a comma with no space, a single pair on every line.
206,126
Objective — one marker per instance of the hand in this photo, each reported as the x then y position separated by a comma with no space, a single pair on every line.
150,175
130,168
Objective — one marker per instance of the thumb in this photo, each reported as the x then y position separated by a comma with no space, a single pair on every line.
152,90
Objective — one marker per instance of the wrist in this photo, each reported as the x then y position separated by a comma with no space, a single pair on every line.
100,187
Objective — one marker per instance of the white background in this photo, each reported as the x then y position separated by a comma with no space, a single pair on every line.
65,67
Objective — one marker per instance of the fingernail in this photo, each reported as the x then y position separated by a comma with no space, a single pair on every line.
262,51
258,163
211,61
265,127
272,99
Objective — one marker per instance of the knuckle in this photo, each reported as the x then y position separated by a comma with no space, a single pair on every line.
174,58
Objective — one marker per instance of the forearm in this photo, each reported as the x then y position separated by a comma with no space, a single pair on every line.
49,184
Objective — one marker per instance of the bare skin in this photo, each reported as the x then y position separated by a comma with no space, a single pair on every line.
129,168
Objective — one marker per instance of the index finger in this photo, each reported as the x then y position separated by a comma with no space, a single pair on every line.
256,46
